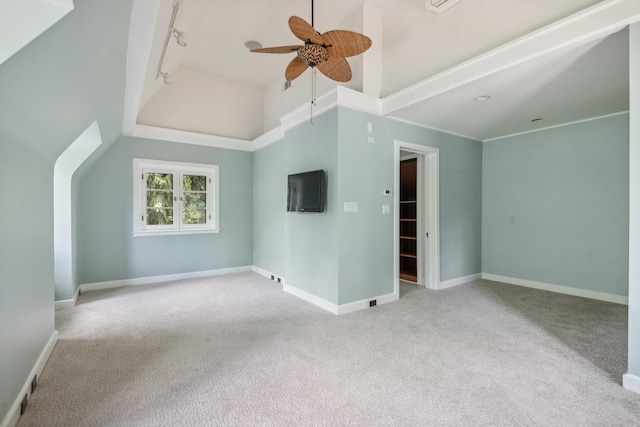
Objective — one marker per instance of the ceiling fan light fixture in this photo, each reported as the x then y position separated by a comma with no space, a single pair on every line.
312,54
181,37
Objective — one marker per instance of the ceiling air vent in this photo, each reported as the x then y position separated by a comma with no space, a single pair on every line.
439,6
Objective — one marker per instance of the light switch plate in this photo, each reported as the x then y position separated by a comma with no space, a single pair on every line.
351,206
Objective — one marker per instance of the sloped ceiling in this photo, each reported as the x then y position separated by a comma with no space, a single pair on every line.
220,88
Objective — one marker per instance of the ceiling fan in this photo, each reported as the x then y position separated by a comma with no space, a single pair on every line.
325,51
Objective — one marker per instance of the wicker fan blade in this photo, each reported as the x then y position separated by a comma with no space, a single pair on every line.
336,68
345,43
277,49
305,32
294,69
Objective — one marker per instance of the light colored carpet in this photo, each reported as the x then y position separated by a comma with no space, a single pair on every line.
237,350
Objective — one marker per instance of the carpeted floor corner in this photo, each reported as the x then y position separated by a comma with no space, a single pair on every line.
236,350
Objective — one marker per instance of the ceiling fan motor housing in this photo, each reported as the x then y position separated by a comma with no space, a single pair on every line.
312,54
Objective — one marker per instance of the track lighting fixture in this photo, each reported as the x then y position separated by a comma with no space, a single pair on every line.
165,77
181,37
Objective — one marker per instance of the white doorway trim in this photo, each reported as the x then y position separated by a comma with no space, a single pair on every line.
430,196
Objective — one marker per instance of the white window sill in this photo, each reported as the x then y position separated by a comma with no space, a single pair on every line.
175,232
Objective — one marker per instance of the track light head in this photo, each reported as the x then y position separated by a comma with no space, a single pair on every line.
166,78
181,37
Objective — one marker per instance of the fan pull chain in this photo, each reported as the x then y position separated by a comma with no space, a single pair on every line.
313,92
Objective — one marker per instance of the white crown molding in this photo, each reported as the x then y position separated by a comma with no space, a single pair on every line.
340,96
358,101
595,22
305,112
174,135
270,137
557,126
409,122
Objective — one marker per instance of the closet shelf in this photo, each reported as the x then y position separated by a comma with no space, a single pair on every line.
408,256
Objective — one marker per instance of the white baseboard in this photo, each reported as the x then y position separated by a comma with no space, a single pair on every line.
160,279
631,382
362,304
618,299
459,281
335,308
266,273
329,306
66,303
11,419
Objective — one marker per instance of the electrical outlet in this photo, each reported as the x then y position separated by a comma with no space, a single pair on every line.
24,403
371,140
372,303
34,383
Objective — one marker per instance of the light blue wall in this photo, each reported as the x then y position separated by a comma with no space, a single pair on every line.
108,251
568,189
50,92
311,239
366,238
460,196
353,252
26,264
269,204
634,224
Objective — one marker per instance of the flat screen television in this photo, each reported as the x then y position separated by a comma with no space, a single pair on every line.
306,192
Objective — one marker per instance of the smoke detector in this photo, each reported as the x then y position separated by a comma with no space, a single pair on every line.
439,6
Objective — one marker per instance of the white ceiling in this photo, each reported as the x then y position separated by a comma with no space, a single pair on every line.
570,84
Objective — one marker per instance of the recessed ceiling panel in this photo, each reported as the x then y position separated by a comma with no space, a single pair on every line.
571,84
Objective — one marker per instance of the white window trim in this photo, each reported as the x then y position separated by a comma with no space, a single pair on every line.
177,168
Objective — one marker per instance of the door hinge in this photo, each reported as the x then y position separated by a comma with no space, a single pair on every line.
143,218
209,216
142,177
209,180
427,234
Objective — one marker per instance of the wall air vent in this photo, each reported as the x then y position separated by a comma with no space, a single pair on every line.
439,6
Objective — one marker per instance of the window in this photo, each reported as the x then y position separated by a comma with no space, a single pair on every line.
174,198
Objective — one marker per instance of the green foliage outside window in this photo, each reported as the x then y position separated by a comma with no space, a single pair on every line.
194,190
159,198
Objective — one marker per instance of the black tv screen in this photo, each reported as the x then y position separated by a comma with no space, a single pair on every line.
306,192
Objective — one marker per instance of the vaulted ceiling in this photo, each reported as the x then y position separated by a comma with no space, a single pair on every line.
220,88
